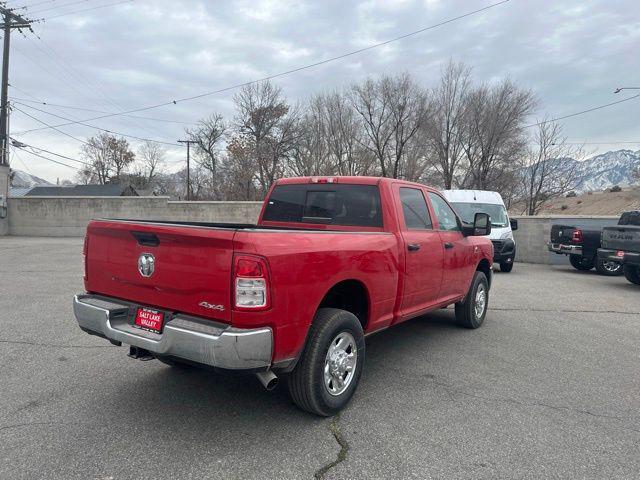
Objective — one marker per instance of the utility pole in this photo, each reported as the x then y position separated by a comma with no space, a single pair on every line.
11,21
188,142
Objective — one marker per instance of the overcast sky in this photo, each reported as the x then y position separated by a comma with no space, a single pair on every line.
573,54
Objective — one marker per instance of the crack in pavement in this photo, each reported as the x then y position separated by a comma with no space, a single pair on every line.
550,310
342,454
52,345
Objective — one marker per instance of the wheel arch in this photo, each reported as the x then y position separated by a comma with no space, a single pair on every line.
351,295
485,267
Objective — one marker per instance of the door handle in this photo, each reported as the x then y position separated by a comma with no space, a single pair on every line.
413,247
448,245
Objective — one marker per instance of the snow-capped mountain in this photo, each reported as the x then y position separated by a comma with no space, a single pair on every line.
20,179
608,169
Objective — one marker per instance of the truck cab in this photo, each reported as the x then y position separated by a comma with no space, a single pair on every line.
469,202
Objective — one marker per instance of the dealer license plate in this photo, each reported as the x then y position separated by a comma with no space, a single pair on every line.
149,319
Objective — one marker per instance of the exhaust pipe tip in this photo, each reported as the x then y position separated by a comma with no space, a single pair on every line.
267,379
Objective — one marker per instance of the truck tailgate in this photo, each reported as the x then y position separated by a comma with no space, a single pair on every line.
192,266
621,238
561,233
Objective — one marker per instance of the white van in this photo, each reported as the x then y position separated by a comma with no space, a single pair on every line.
468,202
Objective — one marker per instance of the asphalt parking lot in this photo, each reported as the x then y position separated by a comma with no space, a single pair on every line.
549,387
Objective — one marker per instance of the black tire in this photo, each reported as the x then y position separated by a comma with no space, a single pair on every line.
632,273
506,267
466,312
581,263
609,269
172,362
307,381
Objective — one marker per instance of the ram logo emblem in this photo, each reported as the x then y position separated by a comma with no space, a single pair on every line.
146,264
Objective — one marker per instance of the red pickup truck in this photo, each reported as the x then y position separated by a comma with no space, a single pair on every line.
331,260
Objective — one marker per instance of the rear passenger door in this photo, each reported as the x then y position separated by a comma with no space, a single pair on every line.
458,251
423,252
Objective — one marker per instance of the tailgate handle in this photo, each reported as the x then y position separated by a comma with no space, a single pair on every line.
146,239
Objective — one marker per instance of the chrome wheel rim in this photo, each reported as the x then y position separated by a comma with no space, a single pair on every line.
340,363
611,266
481,301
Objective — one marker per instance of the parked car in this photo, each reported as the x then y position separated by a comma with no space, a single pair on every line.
582,246
469,202
330,261
621,243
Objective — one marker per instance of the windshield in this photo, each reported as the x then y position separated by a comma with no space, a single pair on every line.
467,211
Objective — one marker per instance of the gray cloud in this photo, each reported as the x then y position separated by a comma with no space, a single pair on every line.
571,53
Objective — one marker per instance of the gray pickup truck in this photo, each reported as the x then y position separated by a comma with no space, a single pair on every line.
621,243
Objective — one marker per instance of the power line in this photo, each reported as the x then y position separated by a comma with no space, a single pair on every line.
582,112
55,7
18,144
24,7
297,69
47,158
49,126
87,9
92,85
93,126
85,109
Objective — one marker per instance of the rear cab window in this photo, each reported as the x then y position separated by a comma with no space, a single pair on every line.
325,204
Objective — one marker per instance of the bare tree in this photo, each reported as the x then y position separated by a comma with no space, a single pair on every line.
369,102
271,124
550,167
208,135
310,156
343,136
239,172
392,110
84,175
108,156
152,157
494,139
444,129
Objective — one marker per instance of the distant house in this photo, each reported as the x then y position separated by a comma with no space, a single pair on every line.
108,190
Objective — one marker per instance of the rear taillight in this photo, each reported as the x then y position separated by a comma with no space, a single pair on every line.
251,283
577,236
85,251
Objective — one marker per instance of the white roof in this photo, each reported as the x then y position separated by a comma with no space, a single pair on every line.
472,196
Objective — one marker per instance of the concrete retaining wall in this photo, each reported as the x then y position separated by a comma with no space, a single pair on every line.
68,216
534,232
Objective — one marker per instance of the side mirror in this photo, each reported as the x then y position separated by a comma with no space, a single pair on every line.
514,224
481,224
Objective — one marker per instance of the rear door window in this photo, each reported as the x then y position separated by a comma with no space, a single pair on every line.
414,209
331,204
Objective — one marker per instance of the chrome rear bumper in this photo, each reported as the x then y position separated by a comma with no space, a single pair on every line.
190,338
564,248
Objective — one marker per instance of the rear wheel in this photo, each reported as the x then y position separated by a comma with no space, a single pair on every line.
471,311
328,372
506,266
610,269
632,273
581,263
